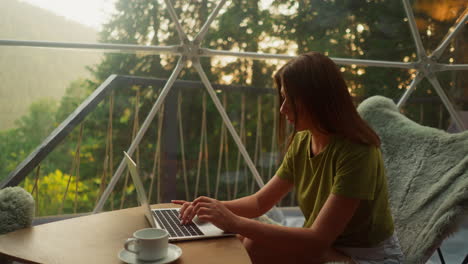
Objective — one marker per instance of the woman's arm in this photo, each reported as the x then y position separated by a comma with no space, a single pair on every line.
250,206
311,242
262,201
330,223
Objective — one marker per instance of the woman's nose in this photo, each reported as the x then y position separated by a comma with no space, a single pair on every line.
283,108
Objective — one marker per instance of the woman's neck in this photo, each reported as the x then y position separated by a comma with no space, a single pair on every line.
319,142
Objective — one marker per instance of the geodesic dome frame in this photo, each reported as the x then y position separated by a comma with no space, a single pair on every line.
191,50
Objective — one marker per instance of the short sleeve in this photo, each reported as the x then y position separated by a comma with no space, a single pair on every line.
357,173
285,171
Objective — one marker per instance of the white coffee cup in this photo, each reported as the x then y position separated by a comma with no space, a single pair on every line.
149,244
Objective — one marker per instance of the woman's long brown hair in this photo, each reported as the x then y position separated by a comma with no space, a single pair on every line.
314,81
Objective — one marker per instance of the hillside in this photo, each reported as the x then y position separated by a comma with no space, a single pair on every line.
27,74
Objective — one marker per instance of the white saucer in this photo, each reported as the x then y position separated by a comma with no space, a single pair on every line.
173,253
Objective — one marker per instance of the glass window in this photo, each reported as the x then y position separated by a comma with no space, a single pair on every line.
41,87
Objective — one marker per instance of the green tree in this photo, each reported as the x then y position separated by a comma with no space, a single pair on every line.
38,123
51,190
32,129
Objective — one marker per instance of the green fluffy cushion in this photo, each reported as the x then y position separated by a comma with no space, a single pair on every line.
427,171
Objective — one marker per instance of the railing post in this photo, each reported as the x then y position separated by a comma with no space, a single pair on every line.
170,147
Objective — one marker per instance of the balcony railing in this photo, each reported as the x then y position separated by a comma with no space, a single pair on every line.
171,167
186,151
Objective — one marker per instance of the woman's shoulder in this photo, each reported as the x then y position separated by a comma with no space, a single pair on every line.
347,145
300,141
301,137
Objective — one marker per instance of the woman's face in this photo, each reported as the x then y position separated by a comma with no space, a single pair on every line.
301,122
286,108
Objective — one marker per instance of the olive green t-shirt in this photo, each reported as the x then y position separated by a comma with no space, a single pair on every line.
347,169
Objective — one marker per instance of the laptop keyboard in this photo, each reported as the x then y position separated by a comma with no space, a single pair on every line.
169,220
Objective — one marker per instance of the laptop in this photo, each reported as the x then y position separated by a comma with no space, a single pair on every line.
168,218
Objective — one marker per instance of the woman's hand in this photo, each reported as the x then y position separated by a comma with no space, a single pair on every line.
186,212
212,210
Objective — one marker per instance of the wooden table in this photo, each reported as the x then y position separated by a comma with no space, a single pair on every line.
98,238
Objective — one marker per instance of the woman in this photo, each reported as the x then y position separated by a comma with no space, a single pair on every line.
335,164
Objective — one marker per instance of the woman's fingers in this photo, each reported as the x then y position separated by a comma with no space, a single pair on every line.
205,218
188,215
203,211
190,209
181,202
193,211
183,210
200,205
205,214
202,199
184,204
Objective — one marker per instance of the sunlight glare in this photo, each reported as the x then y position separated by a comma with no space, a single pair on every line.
92,13
360,28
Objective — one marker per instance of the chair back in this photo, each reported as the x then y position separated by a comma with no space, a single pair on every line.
427,173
